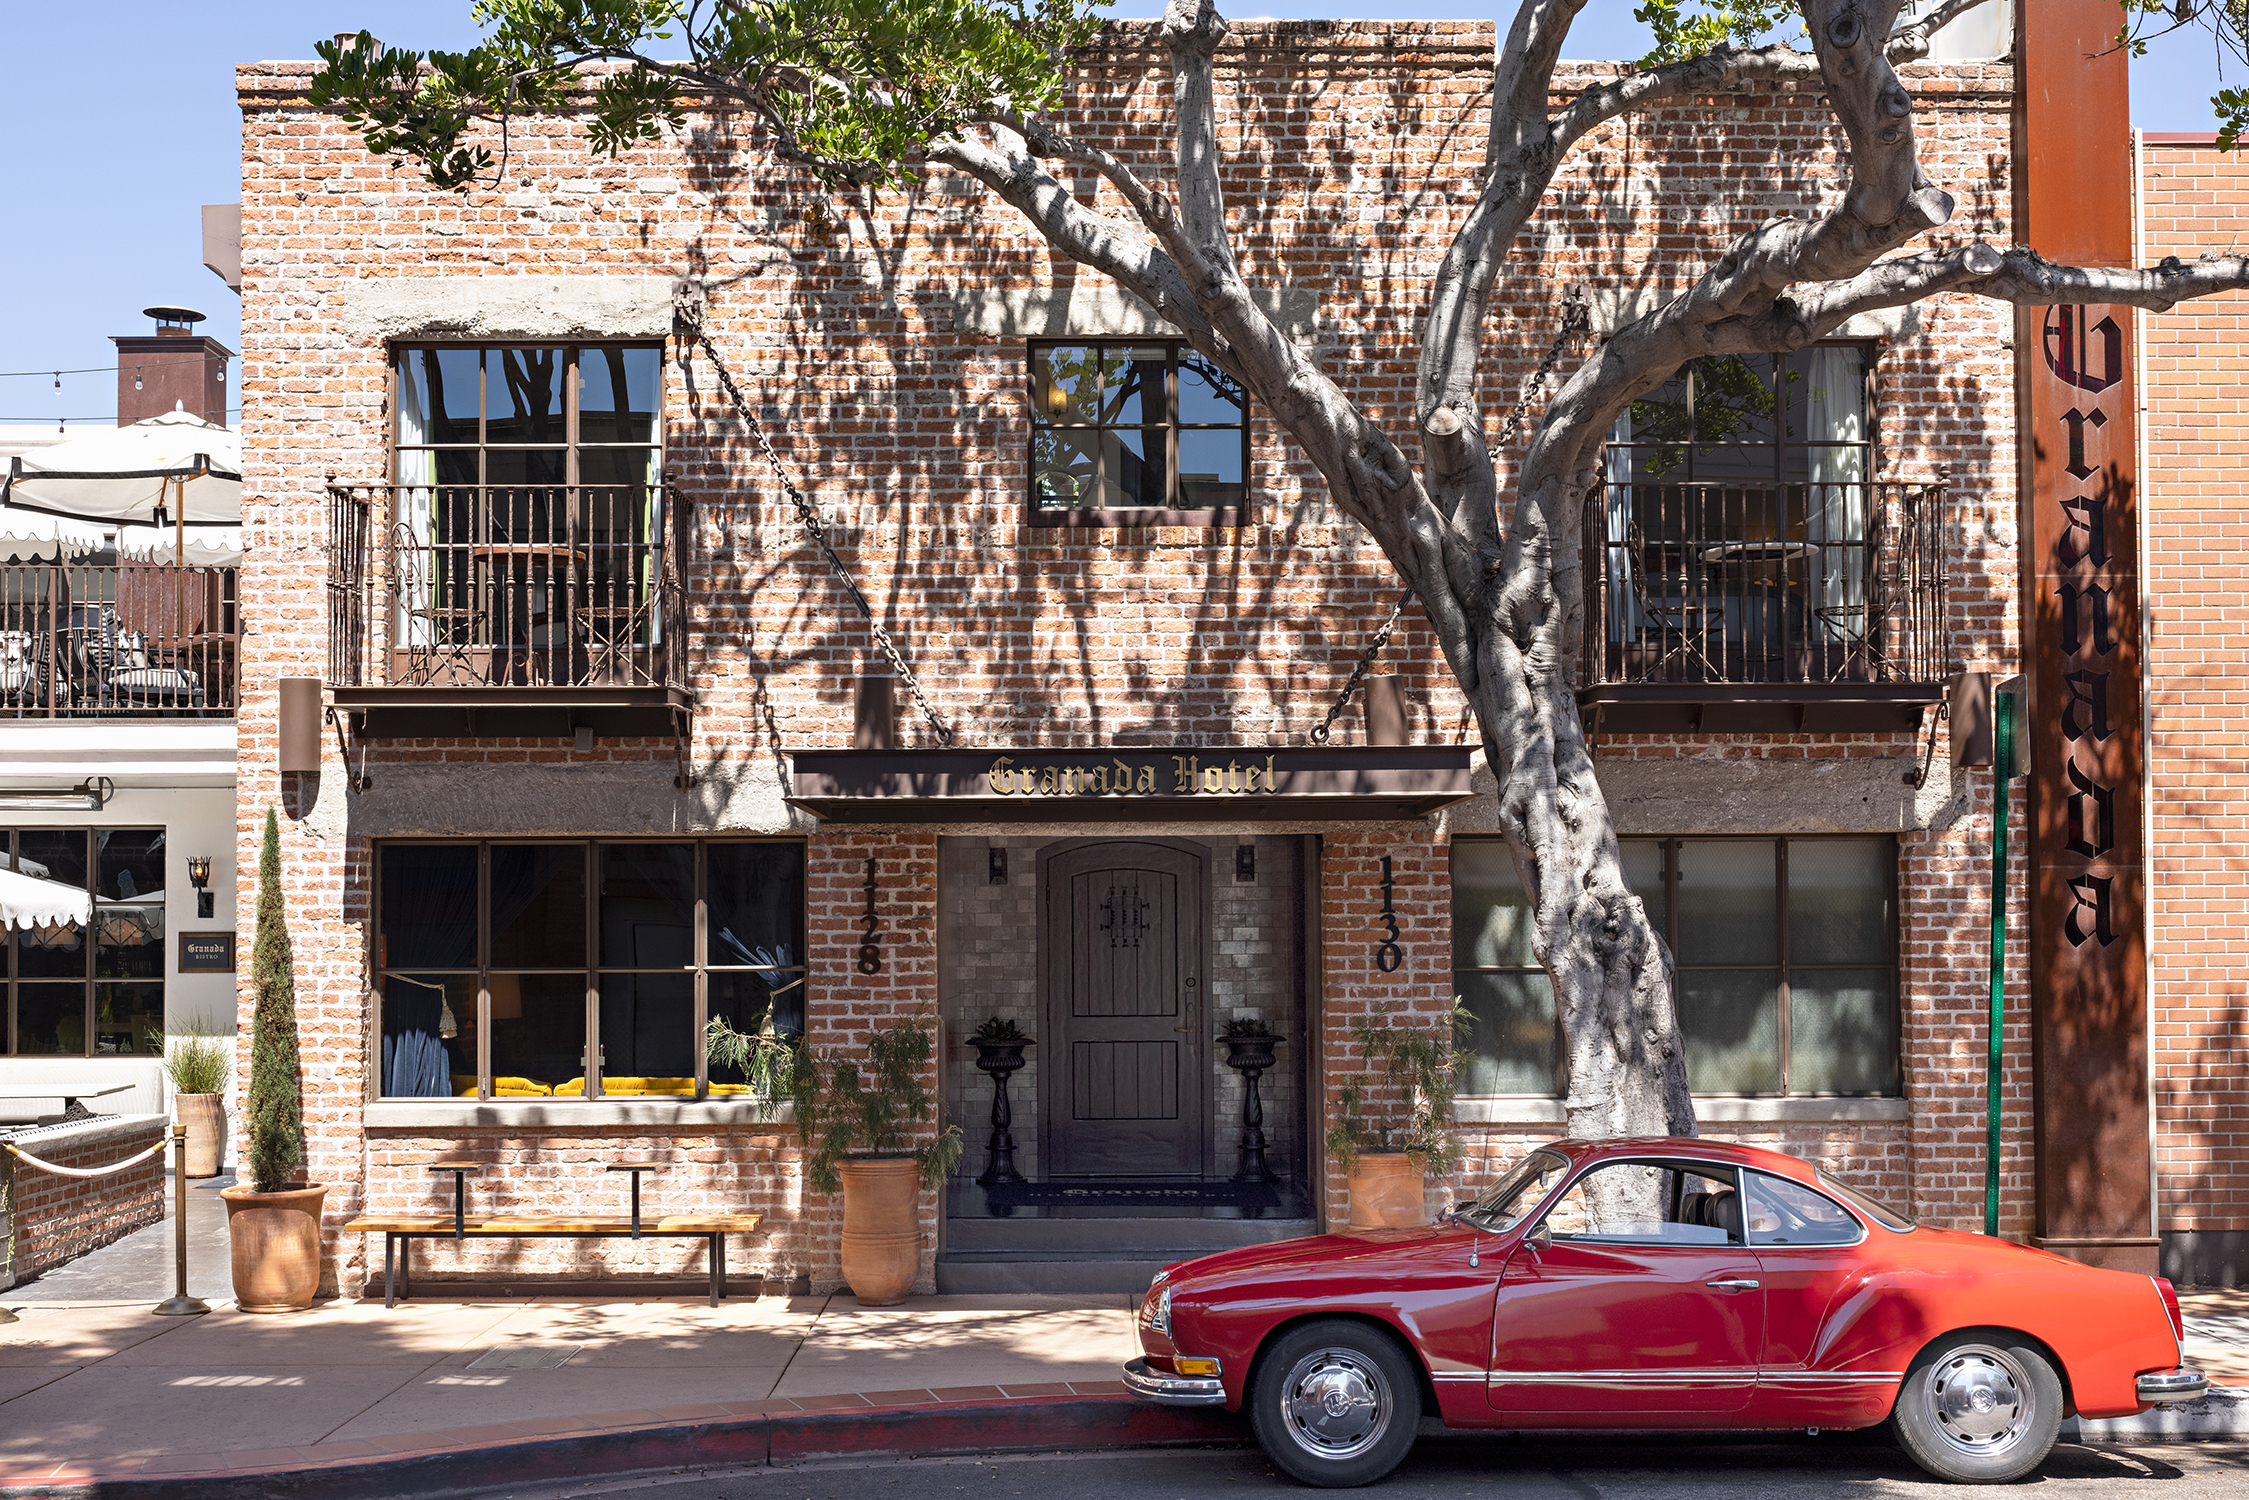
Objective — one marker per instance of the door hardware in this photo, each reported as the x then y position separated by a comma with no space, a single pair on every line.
1738,1284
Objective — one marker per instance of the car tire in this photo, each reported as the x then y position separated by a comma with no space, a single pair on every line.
1335,1403
1982,1407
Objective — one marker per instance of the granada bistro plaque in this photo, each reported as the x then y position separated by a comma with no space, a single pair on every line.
1134,784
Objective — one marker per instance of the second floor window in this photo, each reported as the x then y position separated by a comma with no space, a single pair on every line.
1740,526
1135,434
525,534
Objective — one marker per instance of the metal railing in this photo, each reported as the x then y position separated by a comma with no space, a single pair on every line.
117,640
505,586
1827,583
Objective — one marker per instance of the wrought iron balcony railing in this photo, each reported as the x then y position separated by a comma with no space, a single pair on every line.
1799,591
123,640
490,586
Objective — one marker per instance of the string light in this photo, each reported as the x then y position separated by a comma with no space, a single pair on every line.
136,377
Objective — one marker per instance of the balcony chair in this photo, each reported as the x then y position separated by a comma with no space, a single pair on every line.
134,680
23,669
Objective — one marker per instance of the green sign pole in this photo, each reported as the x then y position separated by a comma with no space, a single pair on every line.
2002,789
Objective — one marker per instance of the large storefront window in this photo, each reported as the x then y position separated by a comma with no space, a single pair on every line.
1786,953
579,969
71,993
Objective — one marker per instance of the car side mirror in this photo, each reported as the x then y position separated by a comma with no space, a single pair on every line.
1540,1238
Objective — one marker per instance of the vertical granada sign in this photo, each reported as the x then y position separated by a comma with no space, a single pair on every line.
2087,884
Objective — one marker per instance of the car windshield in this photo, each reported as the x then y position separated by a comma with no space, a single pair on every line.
1504,1204
1888,1218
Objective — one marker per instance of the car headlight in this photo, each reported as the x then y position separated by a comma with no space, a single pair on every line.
1160,1319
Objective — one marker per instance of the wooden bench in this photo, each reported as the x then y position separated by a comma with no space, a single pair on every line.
399,1233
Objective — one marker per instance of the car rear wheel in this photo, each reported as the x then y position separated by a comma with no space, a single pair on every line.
1979,1408
1335,1403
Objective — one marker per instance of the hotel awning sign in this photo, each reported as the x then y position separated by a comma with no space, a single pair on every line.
1135,784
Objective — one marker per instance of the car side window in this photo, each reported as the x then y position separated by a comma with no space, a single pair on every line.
1789,1213
1651,1203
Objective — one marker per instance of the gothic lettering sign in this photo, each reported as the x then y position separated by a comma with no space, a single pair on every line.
1168,783
2087,889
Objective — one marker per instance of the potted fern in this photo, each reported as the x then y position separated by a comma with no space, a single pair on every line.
855,1121
1393,1121
273,1225
197,1064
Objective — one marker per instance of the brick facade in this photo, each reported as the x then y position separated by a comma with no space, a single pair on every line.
909,433
2197,547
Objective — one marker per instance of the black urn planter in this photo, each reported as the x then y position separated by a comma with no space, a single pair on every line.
1250,1056
1000,1059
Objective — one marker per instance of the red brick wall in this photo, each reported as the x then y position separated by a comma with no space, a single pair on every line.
58,1219
2196,500
909,434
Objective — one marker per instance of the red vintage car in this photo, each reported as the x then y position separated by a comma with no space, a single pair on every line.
1671,1283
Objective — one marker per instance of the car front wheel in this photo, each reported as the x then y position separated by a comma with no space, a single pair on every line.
1979,1408
1335,1403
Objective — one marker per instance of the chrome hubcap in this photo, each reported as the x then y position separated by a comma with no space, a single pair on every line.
1336,1403
1980,1399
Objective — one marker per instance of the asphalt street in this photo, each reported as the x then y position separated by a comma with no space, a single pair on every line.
1606,1468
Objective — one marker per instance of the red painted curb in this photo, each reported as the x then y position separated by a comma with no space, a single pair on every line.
1078,1424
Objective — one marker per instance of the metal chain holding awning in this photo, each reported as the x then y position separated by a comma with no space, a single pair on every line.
691,318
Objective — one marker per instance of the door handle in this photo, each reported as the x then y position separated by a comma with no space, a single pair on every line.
1737,1284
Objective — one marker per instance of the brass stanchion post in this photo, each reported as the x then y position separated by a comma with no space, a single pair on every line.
179,1304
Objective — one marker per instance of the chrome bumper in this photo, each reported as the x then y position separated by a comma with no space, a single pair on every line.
1173,1390
2169,1387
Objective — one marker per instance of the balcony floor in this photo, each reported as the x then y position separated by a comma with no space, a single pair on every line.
1756,708
544,712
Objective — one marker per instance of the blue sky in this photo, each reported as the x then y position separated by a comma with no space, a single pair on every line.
113,150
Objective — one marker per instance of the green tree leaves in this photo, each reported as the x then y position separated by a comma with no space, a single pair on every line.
849,88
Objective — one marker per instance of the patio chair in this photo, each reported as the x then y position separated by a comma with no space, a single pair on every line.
23,669
134,681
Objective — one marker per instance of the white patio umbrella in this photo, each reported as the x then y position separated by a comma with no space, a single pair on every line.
28,902
169,487
180,465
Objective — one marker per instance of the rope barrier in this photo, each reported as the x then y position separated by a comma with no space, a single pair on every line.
114,1167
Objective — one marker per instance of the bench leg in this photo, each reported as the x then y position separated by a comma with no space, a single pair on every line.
405,1266
718,1269
390,1270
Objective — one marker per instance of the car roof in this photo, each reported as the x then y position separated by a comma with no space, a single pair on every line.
1689,1148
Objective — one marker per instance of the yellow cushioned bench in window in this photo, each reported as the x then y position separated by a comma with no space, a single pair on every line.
464,1087
665,1088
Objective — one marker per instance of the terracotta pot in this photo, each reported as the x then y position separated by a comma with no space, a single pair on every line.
205,1119
276,1242
881,1227
1386,1190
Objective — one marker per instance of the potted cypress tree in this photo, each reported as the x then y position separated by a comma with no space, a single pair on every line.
1393,1121
273,1225
855,1121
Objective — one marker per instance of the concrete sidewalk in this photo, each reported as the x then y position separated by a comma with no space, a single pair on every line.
105,1389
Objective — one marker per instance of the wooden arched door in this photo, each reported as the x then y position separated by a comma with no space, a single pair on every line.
1126,1034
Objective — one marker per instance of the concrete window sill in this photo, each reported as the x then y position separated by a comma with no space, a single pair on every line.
1711,1111
453,1114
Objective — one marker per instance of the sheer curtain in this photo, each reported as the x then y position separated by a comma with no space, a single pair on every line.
416,475
1836,509
1625,622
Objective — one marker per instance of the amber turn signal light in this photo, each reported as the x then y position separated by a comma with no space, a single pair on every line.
1195,1366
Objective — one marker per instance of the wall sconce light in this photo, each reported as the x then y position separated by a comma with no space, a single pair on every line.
1245,864
199,876
997,855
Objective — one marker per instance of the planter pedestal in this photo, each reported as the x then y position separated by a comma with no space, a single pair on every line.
276,1242
1386,1190
881,1227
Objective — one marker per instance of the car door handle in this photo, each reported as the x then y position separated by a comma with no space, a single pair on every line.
1737,1284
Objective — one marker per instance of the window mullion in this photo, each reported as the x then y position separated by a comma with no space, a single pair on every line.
701,956
589,1059
1784,999
484,1089
93,939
